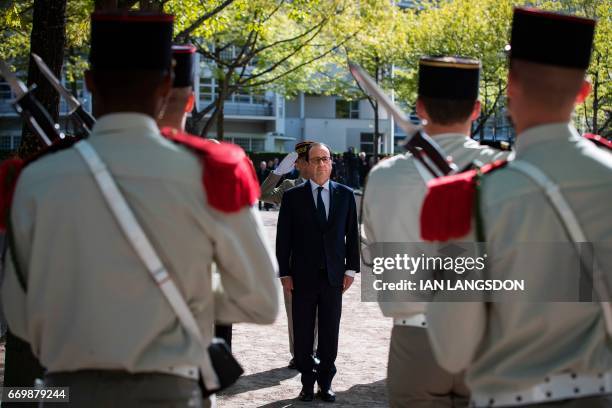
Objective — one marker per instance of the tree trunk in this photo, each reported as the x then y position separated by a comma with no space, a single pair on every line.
376,115
376,133
220,118
47,39
596,95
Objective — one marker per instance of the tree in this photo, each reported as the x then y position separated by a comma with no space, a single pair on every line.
475,29
378,48
595,114
252,44
48,38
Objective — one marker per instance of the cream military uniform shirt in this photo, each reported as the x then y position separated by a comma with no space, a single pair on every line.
393,198
511,346
90,302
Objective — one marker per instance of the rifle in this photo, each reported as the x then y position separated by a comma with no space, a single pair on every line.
84,118
29,108
422,147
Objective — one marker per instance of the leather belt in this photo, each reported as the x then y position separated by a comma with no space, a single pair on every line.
417,320
554,388
190,372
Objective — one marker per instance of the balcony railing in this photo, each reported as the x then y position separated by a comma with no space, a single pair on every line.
244,109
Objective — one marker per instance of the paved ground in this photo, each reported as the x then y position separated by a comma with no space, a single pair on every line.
263,352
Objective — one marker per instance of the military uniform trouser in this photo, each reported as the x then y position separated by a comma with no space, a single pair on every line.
414,378
106,389
288,297
603,401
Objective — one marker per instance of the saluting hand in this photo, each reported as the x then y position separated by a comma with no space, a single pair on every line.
348,281
286,165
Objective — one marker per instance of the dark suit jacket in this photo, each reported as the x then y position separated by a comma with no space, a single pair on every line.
303,246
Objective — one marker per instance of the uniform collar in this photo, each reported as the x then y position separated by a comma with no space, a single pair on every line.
445,136
449,139
314,185
122,122
563,131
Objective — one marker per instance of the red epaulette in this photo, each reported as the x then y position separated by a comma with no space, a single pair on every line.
448,206
598,140
229,177
10,169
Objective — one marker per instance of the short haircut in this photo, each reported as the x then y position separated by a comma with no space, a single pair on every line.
317,144
448,111
549,86
130,85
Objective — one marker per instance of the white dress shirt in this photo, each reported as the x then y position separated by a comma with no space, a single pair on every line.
325,197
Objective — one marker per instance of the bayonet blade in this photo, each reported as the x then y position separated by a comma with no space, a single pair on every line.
73,102
18,87
376,92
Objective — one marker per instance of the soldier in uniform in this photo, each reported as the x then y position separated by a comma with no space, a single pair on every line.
172,121
555,193
272,194
447,103
181,98
76,289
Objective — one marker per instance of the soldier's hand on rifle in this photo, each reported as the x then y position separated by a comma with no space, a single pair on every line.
286,165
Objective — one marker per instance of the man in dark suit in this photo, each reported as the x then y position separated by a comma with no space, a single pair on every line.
317,247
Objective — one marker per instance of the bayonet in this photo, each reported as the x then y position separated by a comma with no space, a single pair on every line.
27,106
76,108
418,142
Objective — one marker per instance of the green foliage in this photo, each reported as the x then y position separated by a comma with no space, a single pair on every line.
16,25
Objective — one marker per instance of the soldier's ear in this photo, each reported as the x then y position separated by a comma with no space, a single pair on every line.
585,90
421,111
190,103
475,111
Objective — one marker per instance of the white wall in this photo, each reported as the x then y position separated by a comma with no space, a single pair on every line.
320,106
339,134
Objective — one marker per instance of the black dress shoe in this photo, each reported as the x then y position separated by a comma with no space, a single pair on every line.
306,395
327,396
292,365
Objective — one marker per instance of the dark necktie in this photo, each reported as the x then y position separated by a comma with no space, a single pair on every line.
321,207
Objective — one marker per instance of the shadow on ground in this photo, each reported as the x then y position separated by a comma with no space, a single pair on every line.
257,381
360,395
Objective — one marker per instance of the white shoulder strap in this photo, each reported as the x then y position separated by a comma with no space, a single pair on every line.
569,220
141,244
423,172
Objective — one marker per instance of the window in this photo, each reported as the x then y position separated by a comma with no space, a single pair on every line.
257,145
208,89
347,109
5,91
367,142
9,142
243,142
5,143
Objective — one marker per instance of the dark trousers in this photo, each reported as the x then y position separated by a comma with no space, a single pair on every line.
224,332
21,368
327,300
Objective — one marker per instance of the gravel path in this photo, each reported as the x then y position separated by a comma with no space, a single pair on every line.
263,352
